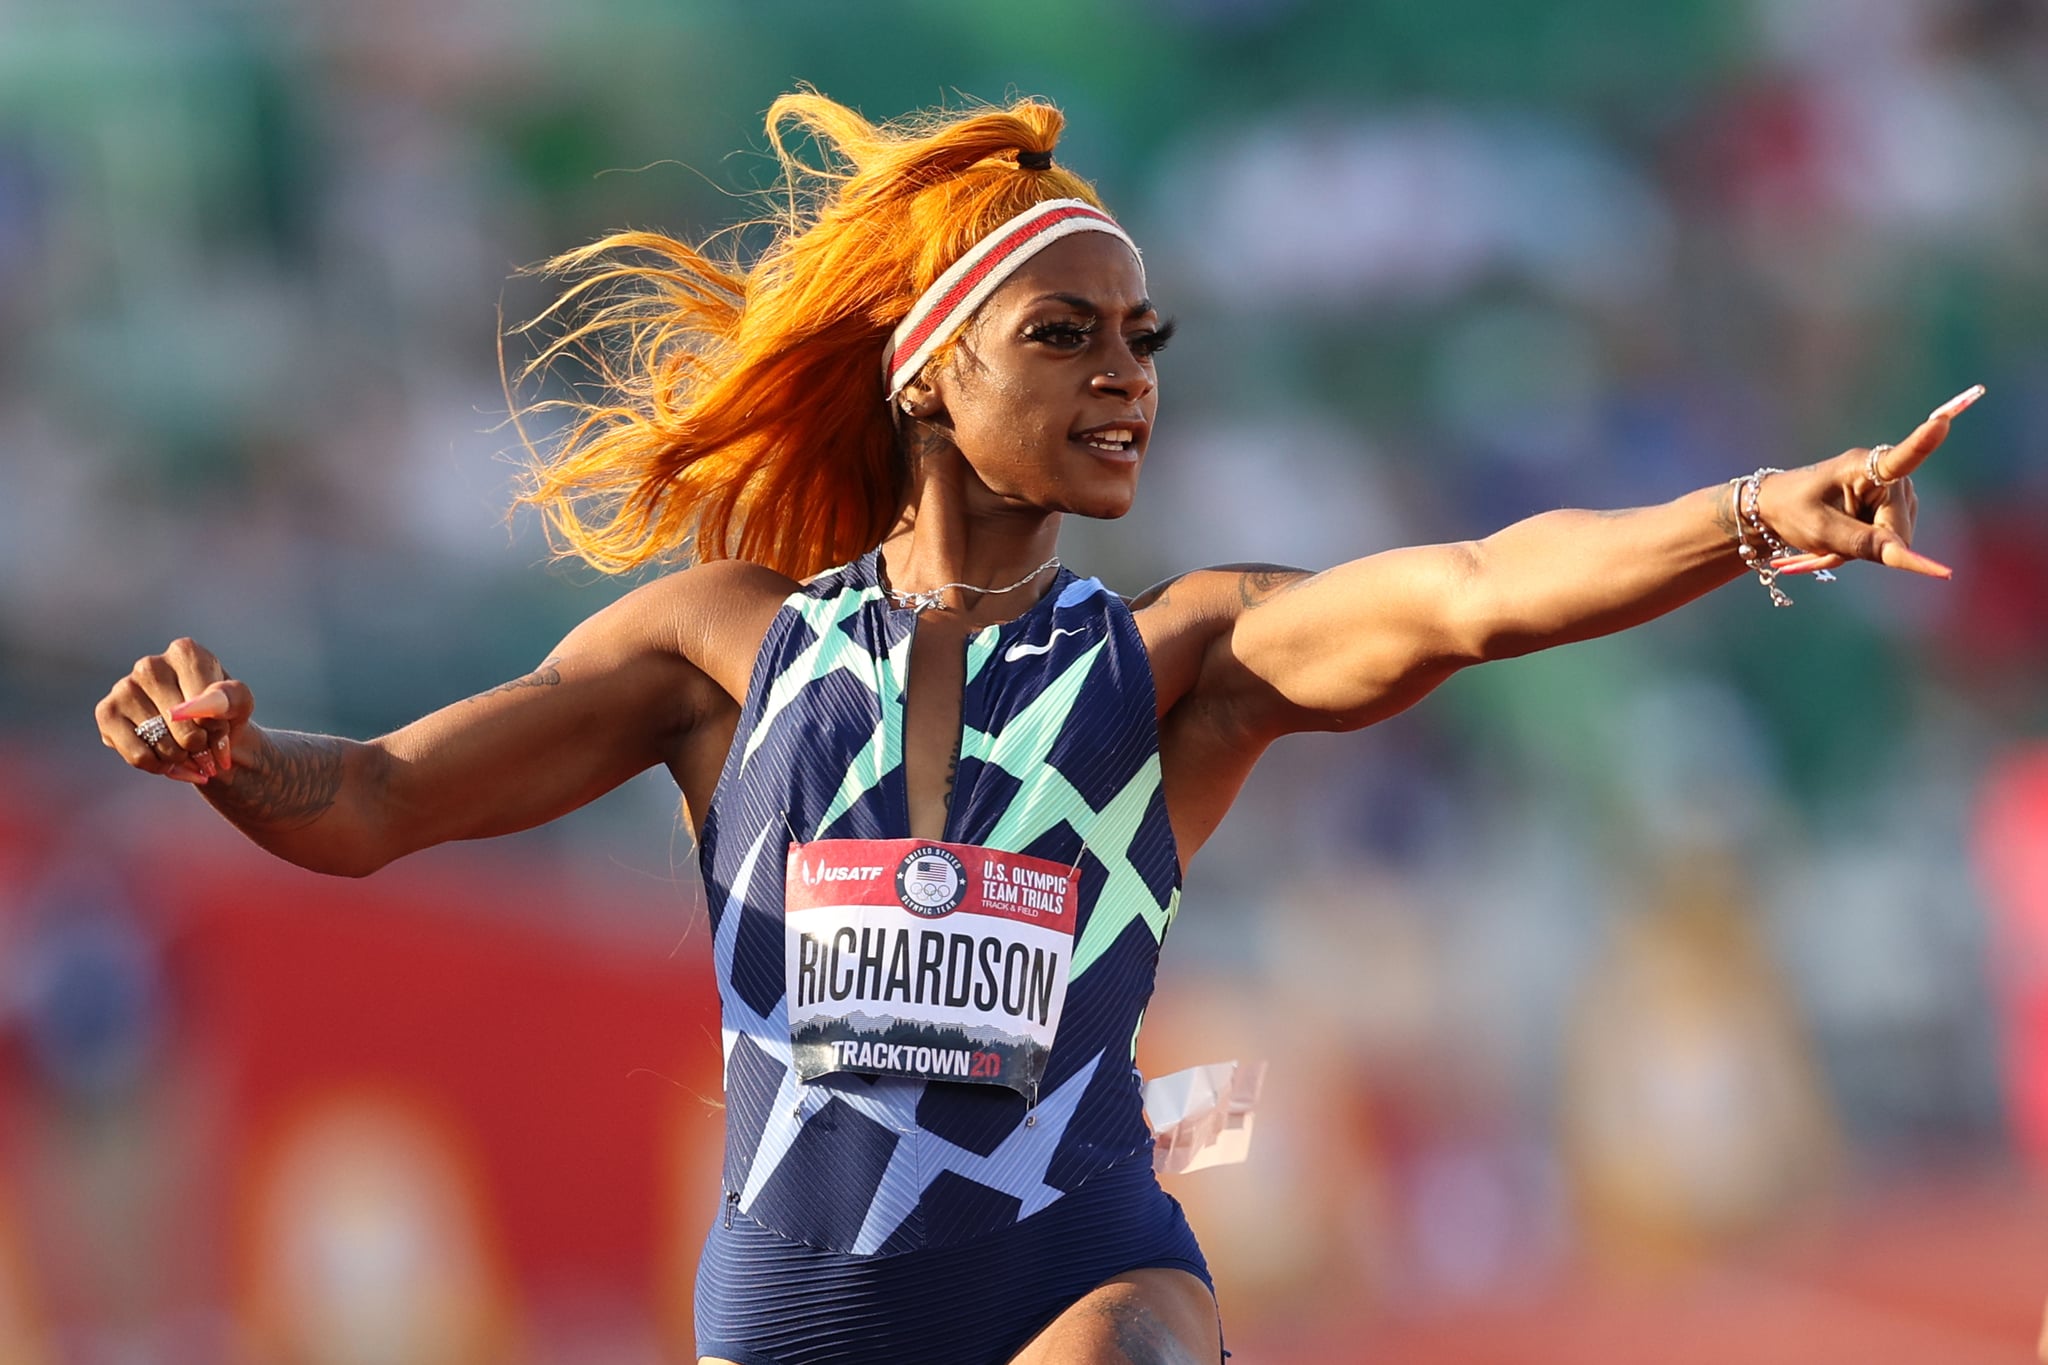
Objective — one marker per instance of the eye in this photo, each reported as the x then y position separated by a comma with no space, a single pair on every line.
1066,336
1145,345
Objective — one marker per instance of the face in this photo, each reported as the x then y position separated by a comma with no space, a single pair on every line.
1050,391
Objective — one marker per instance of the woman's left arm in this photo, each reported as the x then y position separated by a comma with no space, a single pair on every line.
1359,642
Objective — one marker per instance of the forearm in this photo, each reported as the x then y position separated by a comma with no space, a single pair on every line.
1361,641
1573,575
314,800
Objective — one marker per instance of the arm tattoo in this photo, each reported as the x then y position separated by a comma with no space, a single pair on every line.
296,784
547,675
1725,514
1258,584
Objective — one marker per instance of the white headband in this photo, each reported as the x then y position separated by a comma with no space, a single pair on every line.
953,297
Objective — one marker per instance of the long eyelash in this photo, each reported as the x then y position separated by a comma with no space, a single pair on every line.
1153,342
1041,331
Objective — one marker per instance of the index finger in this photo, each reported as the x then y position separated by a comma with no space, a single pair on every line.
216,701
1909,454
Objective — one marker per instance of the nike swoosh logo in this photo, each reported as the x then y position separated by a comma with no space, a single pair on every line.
1020,650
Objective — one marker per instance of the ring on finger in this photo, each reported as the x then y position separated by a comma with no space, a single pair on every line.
153,731
1871,470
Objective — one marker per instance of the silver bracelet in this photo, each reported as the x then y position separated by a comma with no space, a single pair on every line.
1758,557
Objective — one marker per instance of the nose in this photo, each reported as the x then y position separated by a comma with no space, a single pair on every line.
1123,375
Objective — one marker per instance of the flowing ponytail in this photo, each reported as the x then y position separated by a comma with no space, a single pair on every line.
743,413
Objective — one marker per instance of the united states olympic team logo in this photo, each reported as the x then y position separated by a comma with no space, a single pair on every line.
931,881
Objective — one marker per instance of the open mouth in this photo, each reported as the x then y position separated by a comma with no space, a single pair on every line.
1110,440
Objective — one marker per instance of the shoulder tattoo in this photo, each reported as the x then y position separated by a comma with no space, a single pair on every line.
1256,584
1156,594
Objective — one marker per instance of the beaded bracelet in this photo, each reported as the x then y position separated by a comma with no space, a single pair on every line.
1758,557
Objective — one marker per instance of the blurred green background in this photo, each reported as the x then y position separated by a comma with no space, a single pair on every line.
1621,965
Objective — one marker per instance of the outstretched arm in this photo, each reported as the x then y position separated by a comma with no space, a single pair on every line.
1354,644
620,694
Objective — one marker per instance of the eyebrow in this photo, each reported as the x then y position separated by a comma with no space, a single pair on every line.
1086,305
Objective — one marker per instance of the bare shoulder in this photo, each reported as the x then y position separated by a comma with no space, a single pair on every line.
712,615
1210,725
1182,619
717,614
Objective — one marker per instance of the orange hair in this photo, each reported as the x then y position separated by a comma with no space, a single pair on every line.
743,413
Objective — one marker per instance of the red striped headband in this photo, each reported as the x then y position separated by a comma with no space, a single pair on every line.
953,297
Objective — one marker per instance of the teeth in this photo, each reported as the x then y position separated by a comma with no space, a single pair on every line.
1115,439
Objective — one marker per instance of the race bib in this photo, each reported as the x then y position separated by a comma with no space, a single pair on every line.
945,962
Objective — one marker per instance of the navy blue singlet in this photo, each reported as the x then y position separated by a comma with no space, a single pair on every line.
861,1212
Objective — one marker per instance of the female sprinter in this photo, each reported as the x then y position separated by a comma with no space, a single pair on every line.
945,790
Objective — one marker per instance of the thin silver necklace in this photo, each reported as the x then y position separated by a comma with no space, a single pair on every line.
925,599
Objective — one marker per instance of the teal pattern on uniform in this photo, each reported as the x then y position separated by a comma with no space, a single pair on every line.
1059,759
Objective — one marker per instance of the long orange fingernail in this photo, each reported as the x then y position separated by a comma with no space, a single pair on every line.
182,774
206,705
1957,405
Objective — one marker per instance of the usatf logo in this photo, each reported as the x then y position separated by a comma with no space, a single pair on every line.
814,873
930,881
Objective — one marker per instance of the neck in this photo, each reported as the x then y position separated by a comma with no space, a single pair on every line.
952,529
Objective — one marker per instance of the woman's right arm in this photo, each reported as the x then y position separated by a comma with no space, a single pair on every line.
623,692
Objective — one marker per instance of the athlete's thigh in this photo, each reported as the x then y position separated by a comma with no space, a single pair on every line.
1148,1317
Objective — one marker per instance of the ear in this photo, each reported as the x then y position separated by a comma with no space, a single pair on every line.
920,400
